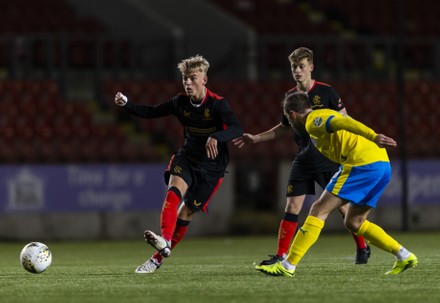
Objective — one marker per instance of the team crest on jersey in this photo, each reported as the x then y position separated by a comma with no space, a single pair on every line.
316,102
207,114
317,121
178,169
186,113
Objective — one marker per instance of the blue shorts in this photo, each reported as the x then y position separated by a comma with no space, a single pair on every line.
361,185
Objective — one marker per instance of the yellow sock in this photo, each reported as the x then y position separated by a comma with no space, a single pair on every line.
305,237
378,237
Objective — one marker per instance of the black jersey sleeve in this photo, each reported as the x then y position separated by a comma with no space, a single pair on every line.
150,111
232,127
335,101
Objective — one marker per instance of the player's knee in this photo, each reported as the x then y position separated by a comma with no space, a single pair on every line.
294,205
185,213
352,224
343,210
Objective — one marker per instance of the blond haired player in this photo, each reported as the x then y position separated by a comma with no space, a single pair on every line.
197,169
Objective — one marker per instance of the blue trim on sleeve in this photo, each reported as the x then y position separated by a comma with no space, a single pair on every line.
327,124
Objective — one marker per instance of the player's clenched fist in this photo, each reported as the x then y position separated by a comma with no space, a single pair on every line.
120,99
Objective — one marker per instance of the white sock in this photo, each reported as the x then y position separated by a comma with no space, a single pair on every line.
402,254
287,265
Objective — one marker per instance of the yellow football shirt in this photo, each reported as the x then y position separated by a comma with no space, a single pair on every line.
343,139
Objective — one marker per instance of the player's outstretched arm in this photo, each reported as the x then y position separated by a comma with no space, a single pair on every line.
145,111
273,133
357,127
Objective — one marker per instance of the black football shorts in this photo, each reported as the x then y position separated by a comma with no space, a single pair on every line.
202,183
302,181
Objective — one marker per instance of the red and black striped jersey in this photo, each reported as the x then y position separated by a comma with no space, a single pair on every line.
213,117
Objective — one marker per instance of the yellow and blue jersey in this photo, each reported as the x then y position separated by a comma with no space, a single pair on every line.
365,167
343,139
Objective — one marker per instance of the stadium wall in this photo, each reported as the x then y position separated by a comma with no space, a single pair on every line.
83,202
95,202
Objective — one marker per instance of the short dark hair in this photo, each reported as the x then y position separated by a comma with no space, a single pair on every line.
297,101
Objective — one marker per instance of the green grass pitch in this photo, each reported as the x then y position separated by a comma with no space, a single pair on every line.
220,270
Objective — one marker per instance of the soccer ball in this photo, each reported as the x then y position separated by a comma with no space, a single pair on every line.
35,257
